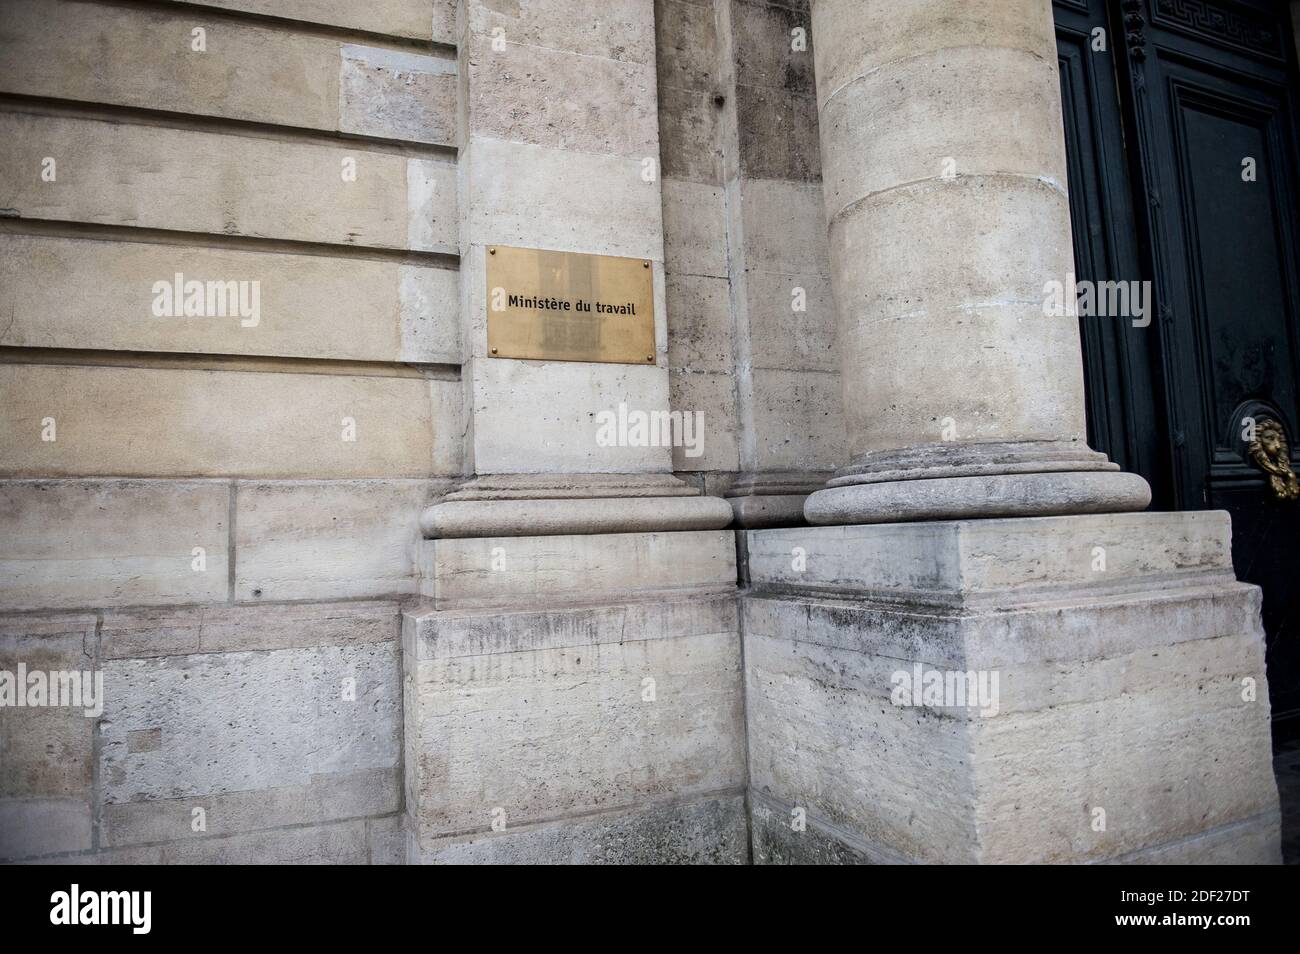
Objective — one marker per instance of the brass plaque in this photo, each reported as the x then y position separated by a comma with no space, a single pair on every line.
564,306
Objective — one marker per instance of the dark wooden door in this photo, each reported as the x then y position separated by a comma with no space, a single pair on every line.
1182,142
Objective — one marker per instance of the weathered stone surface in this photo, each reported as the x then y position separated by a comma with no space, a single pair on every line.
85,293
763,44
778,134
1002,495
539,416
713,397
699,323
797,420
46,752
783,337
939,107
341,843
621,30
252,71
1129,689
784,226
186,631
328,539
909,28
83,543
487,571
592,709
705,831
964,559
695,228
405,18
170,422
690,135
397,95
181,179
288,736
539,197
563,100
686,44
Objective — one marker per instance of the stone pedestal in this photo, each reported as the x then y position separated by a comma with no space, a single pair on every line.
1087,688
575,698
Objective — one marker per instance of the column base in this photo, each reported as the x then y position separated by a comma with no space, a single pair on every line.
772,500
950,481
1002,495
545,505
1059,689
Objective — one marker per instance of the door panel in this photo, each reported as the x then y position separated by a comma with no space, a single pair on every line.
1202,87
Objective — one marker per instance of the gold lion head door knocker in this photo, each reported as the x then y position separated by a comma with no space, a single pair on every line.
1271,454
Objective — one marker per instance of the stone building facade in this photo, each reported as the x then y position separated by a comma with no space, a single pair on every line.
360,591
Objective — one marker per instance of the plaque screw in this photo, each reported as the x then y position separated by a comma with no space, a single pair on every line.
649,357
494,350
492,251
645,264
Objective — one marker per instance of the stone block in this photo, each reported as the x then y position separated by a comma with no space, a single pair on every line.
695,228
798,422
690,135
328,539
254,72
181,422
704,831
538,197
784,226
46,751
395,94
190,630
287,736
780,337
498,571
778,134
84,293
530,717
563,100
1116,714
713,397
539,416
147,176
621,30
340,843
404,18
699,323
763,37
87,543
686,45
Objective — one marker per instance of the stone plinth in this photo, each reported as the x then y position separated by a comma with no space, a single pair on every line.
575,699
1124,713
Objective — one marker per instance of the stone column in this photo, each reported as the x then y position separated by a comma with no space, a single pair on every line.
944,176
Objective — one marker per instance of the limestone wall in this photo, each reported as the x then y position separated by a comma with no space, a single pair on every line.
219,511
